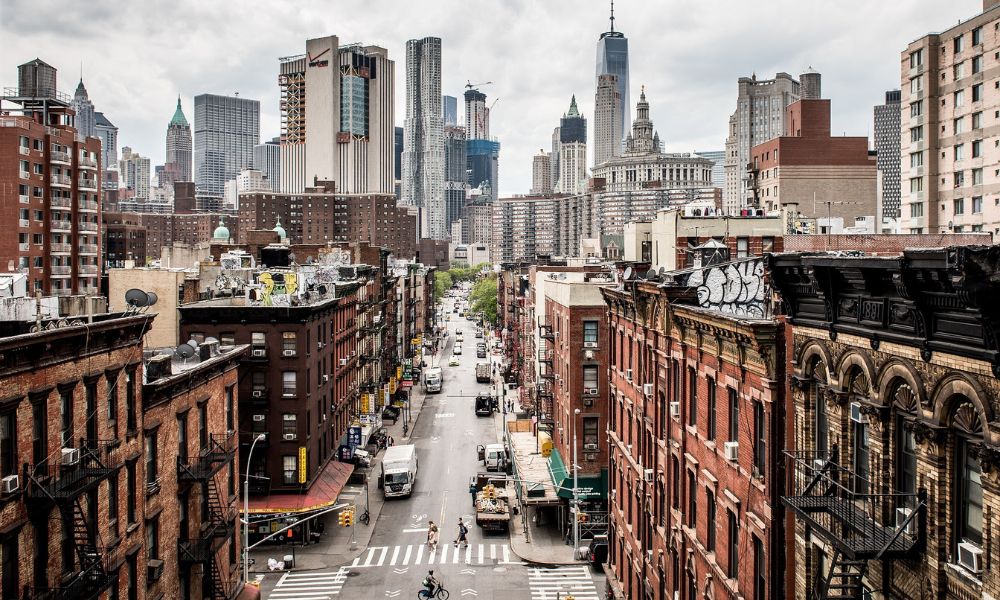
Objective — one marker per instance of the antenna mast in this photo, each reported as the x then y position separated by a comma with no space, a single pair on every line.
612,16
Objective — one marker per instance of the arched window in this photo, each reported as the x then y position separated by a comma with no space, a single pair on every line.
820,423
904,406
968,485
857,389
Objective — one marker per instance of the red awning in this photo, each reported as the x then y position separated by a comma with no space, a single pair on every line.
322,494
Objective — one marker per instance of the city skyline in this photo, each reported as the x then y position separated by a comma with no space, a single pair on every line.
695,90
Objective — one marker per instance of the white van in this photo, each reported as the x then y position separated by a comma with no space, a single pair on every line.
493,456
432,379
399,471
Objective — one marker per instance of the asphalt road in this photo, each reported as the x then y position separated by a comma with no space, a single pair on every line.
397,558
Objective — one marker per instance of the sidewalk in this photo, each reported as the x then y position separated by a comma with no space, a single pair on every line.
335,545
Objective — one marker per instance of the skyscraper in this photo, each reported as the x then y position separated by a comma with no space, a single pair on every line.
483,152
108,133
718,158
423,138
267,160
349,108
292,151
607,119
225,131
178,164
455,183
449,107
572,151
541,173
477,115
86,120
134,172
887,157
612,59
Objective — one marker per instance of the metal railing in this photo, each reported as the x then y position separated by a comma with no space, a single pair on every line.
63,225
88,183
95,461
57,202
60,247
88,226
88,248
61,180
59,156
210,460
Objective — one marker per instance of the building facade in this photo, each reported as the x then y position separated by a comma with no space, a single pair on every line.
612,59
423,168
133,170
225,131
292,150
718,158
607,119
85,120
887,142
572,152
178,164
449,111
522,227
477,115
455,176
541,174
267,160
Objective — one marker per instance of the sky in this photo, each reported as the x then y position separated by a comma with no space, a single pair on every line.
138,56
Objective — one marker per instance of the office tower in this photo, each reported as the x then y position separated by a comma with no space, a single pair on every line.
554,160
133,170
108,134
398,160
612,59
267,160
607,119
483,152
226,129
455,184
49,201
477,115
292,152
423,138
718,158
541,174
178,164
449,108
349,116
887,157
85,121
759,116
572,151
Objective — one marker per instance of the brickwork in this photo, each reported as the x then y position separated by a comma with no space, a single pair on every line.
882,244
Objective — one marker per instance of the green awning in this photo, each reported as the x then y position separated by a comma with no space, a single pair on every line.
591,486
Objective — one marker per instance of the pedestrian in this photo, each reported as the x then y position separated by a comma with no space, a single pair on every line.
432,535
463,531
389,441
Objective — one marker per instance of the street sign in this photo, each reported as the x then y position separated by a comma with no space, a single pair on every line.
302,464
346,453
354,437
365,407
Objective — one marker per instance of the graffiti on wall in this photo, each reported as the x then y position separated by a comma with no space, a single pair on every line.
277,289
738,288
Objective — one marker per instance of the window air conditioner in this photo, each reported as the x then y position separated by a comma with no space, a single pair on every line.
258,393
11,484
343,362
258,418
590,391
258,353
647,475
590,345
70,456
675,409
647,389
901,515
970,557
590,447
732,450
628,374
288,437
288,352
856,412
154,569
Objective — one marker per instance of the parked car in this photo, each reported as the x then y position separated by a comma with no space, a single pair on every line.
597,552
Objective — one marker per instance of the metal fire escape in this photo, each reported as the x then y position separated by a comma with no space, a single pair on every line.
80,474
547,374
859,524
203,549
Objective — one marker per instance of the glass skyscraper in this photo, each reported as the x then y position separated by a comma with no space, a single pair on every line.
612,58
226,129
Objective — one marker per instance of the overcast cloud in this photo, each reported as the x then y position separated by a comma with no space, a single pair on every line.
138,56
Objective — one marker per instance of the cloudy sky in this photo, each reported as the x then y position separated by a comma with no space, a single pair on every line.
138,56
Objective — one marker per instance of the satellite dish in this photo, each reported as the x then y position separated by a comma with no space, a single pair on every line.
628,273
651,274
210,340
185,351
663,271
193,343
136,298
152,298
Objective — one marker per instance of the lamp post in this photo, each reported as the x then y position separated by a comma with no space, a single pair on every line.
246,510
576,491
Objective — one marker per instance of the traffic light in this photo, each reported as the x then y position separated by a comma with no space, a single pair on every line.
349,518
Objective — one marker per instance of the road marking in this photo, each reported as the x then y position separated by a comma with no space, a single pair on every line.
395,553
468,571
420,554
444,415
469,592
468,554
392,593
444,554
552,583
400,571
417,530
310,585
430,558
480,553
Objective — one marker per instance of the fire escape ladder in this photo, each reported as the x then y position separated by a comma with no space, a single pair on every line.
83,538
217,515
843,580
220,589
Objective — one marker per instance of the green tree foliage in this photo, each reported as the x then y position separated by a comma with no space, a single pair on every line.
442,283
483,298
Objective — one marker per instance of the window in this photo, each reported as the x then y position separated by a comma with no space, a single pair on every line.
113,403
916,133
182,435
916,58
916,185
977,177
203,425
916,159
767,244
977,149
132,574
288,383
977,64
906,470
959,178
130,490
257,339
153,539
821,426
151,462
977,120
288,343
959,98
8,443
9,566
590,378
710,429
692,500
916,108
66,415
732,562
759,439
39,437
709,520
958,70
290,467
734,415
977,93
41,554
289,426
258,381
130,416
969,489
959,150
591,435
977,36
977,205
916,85
958,44
692,396
959,125
676,480
759,570
590,331
230,426
959,205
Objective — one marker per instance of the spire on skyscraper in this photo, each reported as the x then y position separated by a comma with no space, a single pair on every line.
179,118
612,16
573,111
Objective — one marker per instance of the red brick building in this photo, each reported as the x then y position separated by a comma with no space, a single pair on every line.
49,186
695,422
124,239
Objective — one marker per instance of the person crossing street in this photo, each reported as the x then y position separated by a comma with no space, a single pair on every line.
463,532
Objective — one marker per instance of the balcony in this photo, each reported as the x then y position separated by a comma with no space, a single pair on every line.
85,248
61,225
61,180
87,269
86,584
88,226
545,330
57,156
545,357
62,270
89,290
57,202
87,205
87,183
94,462
61,248
87,163
61,292
208,462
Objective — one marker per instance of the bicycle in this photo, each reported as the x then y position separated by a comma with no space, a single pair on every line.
440,592
364,517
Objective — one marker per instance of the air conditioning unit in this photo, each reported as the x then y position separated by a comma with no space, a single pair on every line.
70,456
675,409
377,318
647,389
856,412
288,352
11,484
970,557
590,391
258,353
647,475
588,354
590,345
326,377
258,393
320,345
343,362
588,402
258,418
288,437
901,515
732,451
154,569
590,447
819,463
628,374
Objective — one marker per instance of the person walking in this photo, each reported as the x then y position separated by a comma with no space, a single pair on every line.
432,535
463,532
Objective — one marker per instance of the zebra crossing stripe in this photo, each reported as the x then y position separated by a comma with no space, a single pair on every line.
445,554
406,557
395,554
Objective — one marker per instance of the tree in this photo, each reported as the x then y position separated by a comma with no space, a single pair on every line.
442,283
483,298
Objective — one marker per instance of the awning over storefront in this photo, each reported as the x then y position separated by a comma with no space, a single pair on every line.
322,494
590,486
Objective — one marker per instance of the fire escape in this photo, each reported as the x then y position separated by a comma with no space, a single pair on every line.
203,549
547,374
858,523
79,475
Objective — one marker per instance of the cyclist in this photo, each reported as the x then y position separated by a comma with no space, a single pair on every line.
430,585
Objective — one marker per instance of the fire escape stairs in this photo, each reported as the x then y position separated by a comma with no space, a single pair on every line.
220,587
843,580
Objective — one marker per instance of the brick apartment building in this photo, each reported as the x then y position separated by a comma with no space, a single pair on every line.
124,240
164,230
894,396
695,420
49,190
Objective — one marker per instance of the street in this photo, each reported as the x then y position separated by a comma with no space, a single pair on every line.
397,558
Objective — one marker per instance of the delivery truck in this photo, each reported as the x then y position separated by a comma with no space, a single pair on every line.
399,471
432,379
483,372
491,500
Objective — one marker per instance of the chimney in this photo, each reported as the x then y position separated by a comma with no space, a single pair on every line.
158,367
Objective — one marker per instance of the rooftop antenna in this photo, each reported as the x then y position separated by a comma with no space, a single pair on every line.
612,16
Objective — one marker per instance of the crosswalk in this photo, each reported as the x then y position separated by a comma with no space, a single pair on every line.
444,554
553,583
309,585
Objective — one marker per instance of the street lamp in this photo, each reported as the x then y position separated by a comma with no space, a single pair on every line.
576,489
246,510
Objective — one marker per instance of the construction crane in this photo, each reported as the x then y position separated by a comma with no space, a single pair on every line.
470,86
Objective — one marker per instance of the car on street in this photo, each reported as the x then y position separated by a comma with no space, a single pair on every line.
458,337
479,333
453,361
457,349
